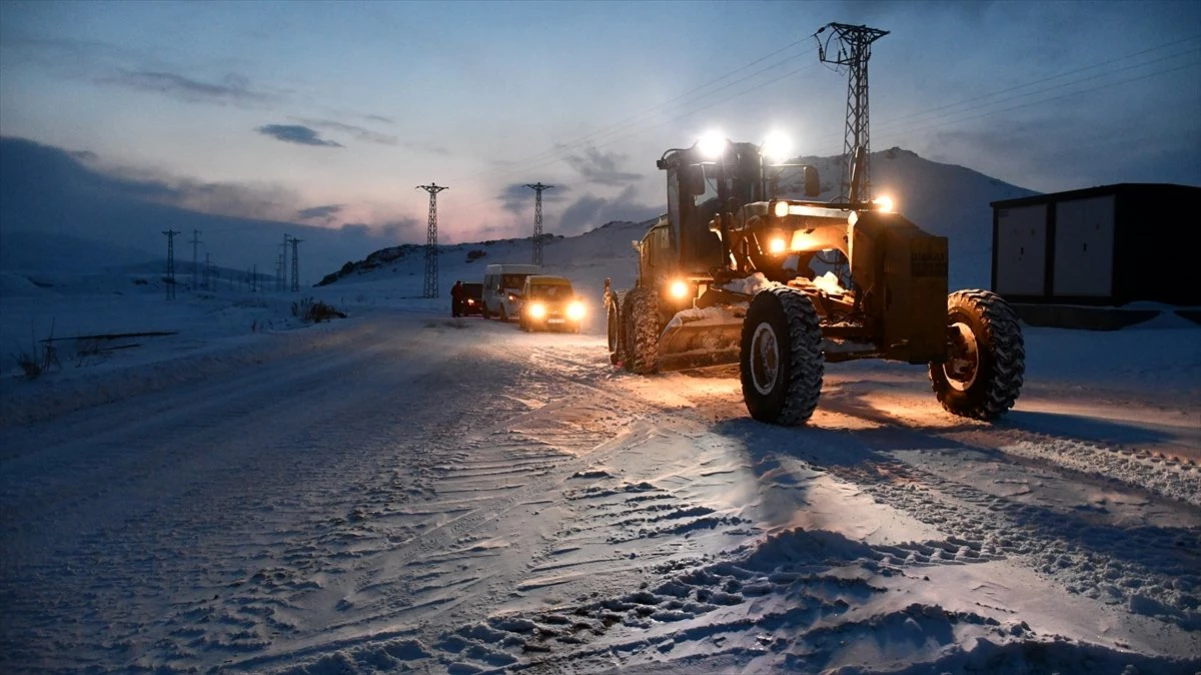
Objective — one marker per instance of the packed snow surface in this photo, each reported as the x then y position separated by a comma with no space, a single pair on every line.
211,484
400,490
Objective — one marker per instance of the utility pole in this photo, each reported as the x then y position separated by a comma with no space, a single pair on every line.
208,271
295,266
195,272
254,278
431,240
538,188
854,49
170,263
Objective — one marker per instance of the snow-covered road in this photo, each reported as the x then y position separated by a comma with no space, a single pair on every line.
404,490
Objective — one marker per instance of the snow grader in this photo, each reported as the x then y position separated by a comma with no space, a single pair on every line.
730,275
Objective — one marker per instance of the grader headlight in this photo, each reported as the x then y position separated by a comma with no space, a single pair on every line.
777,245
678,290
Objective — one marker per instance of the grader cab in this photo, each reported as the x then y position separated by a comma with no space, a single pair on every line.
732,273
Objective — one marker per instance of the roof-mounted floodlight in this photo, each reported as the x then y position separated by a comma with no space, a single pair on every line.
712,144
777,147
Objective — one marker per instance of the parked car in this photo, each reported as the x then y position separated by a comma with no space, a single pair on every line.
473,298
550,303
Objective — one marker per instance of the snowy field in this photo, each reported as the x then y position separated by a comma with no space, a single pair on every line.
403,491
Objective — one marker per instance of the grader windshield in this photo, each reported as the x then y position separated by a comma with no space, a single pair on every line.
696,185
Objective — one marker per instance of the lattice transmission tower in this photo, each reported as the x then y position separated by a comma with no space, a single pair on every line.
431,241
854,50
170,280
538,188
295,265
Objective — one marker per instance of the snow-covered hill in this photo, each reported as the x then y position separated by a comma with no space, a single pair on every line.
944,199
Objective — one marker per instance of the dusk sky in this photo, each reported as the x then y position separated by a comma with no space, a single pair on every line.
332,113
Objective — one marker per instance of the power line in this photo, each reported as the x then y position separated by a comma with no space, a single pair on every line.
1066,95
1045,79
559,149
690,113
922,124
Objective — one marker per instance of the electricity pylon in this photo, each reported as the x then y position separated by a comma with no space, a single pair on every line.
431,240
538,188
170,263
854,50
295,265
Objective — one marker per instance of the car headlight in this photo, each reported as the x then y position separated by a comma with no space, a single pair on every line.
537,310
575,311
470,301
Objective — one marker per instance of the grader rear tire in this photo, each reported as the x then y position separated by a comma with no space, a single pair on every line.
986,364
781,361
641,322
615,331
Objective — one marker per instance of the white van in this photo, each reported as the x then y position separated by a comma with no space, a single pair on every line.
502,289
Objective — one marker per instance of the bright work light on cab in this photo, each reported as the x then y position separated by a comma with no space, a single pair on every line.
780,209
885,203
777,147
679,289
712,144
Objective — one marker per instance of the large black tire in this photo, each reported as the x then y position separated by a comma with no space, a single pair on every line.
986,363
780,360
641,322
502,315
614,329
484,311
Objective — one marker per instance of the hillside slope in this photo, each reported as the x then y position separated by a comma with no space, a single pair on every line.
944,199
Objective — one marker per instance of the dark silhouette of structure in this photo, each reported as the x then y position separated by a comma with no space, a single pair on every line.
431,240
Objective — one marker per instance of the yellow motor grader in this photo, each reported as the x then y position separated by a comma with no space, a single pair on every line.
730,275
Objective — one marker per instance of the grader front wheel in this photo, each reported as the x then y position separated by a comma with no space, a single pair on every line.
781,361
986,357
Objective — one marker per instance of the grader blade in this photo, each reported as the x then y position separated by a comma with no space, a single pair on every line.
703,343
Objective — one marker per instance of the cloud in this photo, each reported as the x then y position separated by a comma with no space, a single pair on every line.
426,147
295,133
357,132
517,198
600,167
47,190
232,89
379,118
590,211
324,213
404,229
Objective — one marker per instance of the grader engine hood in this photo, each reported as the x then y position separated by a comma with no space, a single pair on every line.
901,272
